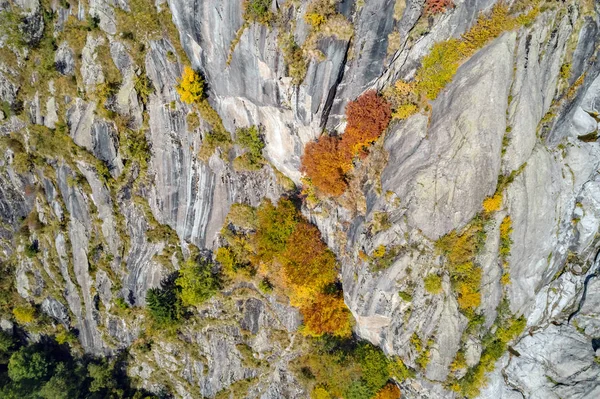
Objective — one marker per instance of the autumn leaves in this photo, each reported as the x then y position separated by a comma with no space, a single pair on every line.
276,244
328,161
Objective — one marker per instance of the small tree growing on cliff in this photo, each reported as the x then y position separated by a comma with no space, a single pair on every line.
191,86
164,303
197,282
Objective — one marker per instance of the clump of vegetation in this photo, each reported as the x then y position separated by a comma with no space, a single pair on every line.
31,250
326,314
506,328
326,165
403,98
164,303
433,284
323,20
192,120
294,58
381,222
318,11
242,215
493,204
405,296
191,91
437,6
24,314
422,350
390,391
259,11
347,368
367,116
48,370
465,275
197,282
265,286
440,65
279,245
383,257
505,244
191,86
251,139
326,161
143,86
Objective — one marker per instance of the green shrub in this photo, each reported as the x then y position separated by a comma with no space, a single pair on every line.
258,11
294,57
359,390
64,336
416,343
197,282
93,22
382,260
381,222
275,225
163,303
465,275
31,250
243,216
193,121
245,163
24,314
374,366
399,371
251,139
433,284
405,296
121,304
143,86
265,286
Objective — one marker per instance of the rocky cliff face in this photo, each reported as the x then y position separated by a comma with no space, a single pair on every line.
108,213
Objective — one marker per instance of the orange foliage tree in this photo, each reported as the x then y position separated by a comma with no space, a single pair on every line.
307,262
390,391
327,160
327,314
325,164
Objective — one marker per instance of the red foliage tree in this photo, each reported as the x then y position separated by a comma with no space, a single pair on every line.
325,164
437,6
368,116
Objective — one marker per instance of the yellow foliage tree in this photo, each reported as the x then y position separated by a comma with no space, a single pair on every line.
191,86
328,314
307,263
492,204
320,393
468,296
24,314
